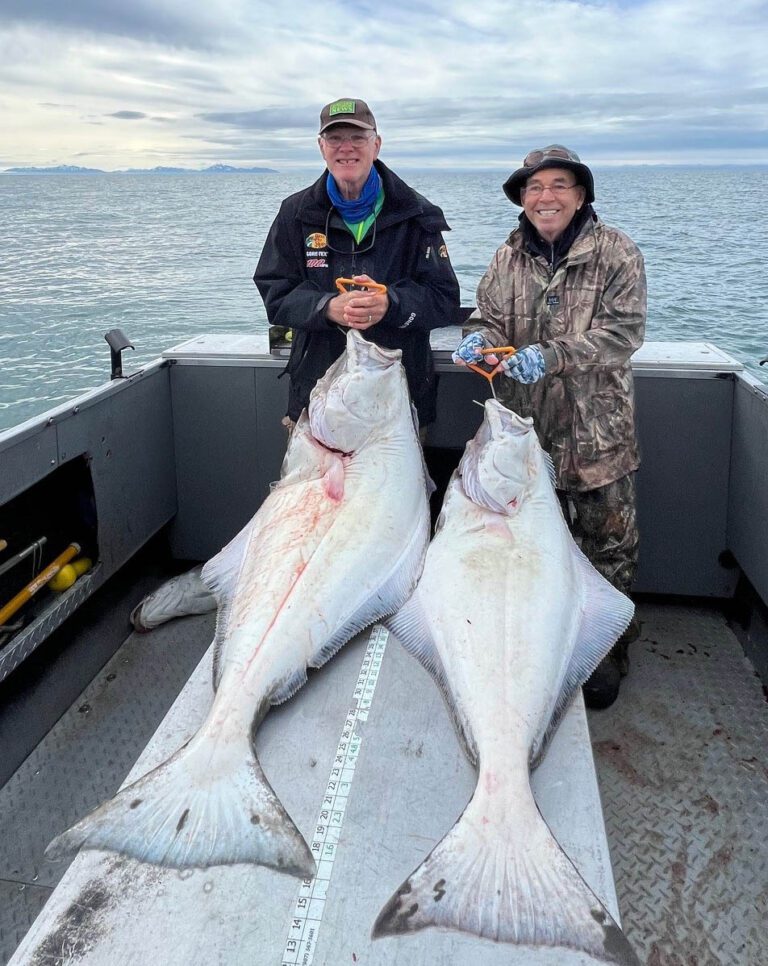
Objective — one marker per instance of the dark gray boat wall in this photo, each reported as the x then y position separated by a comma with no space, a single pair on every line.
228,402
748,487
230,444
119,438
684,426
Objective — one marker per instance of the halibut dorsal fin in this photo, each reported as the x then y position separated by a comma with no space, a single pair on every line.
220,575
550,467
605,616
411,628
289,686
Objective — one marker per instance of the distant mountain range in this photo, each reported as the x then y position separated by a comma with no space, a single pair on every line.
74,169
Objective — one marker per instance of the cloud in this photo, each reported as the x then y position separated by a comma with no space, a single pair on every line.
450,82
302,119
165,21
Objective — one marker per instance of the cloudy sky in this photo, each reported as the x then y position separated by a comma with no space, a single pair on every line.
460,83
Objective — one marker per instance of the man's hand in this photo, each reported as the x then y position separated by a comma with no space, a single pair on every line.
468,350
526,365
358,309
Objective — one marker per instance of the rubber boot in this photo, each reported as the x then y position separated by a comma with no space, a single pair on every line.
602,687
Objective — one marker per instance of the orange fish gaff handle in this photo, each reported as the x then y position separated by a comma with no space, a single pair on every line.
350,285
490,370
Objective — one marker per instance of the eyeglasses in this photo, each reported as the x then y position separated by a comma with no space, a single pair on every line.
336,140
554,151
535,190
354,250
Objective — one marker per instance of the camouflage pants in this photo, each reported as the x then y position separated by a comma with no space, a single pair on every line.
605,520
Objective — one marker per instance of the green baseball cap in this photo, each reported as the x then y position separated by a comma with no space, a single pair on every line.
347,110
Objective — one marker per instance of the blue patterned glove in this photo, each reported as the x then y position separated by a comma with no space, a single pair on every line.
526,365
466,351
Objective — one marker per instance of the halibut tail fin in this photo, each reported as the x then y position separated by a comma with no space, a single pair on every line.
182,815
523,890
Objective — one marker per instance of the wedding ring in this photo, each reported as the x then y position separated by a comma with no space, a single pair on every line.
370,318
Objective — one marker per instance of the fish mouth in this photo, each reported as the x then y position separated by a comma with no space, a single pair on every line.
506,421
356,396
332,449
362,351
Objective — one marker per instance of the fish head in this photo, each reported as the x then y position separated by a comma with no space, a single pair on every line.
503,463
363,392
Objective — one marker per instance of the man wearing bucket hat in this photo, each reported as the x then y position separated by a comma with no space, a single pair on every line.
358,221
569,293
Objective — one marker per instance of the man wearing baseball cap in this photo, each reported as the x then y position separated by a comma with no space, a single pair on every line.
358,221
569,293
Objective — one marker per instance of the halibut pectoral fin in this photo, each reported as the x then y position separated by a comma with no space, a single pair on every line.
411,627
606,615
381,601
517,888
180,815
384,599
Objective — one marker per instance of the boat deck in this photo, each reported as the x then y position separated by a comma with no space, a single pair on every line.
683,770
680,759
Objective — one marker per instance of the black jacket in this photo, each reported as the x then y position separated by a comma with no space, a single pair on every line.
308,247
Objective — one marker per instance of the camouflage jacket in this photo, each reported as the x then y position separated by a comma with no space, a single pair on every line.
587,318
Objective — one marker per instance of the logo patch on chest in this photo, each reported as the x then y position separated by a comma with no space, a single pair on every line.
553,300
316,240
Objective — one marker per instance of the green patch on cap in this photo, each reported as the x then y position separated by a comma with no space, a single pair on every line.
341,107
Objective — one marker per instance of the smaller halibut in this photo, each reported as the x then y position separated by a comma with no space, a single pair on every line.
510,618
338,544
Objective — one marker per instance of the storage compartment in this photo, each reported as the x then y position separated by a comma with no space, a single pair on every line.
37,526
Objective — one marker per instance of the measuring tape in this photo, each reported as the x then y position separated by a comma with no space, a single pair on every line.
310,904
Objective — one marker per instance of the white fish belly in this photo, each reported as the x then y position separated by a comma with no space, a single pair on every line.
505,640
318,561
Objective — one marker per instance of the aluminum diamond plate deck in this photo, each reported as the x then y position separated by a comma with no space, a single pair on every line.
20,904
681,761
683,775
84,758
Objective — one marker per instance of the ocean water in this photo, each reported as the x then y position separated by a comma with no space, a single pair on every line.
167,257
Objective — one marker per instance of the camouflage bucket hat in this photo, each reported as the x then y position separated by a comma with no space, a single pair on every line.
553,156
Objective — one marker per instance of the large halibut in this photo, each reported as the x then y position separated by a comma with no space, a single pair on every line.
511,619
338,544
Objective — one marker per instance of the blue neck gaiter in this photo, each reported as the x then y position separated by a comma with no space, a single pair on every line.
362,207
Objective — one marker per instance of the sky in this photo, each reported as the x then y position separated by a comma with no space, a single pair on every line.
112,84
